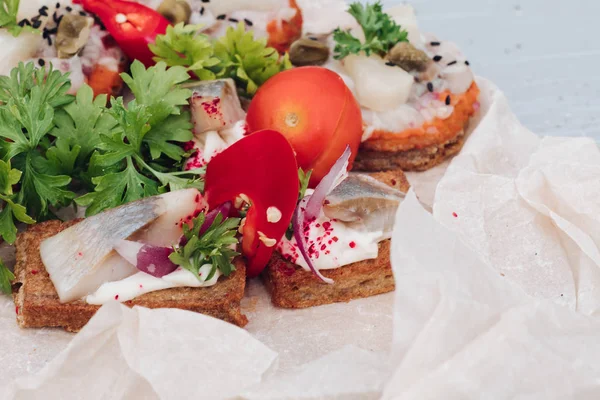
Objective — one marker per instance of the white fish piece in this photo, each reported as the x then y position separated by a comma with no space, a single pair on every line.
364,203
215,105
378,86
81,258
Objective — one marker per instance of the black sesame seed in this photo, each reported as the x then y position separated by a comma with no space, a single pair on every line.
435,43
430,86
390,64
83,13
467,63
202,11
448,100
43,11
313,38
37,24
248,22
234,20
57,5
52,31
24,22
437,58
42,62
452,63
69,9
222,16
206,1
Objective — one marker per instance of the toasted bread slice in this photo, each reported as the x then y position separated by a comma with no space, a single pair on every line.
419,149
291,286
38,306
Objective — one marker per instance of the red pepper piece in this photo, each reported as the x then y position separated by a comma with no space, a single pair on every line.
134,26
263,167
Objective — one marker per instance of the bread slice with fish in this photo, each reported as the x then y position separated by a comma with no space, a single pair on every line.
417,97
350,246
66,270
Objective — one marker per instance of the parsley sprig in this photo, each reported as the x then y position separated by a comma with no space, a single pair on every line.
237,55
381,32
136,158
213,246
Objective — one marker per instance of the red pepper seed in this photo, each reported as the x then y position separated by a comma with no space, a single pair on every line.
394,182
34,272
455,215
352,245
117,297
335,238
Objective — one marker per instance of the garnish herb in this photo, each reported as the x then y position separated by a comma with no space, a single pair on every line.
133,160
214,246
381,32
304,178
237,55
8,17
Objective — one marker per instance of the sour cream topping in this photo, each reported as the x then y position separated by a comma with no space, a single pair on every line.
333,244
142,283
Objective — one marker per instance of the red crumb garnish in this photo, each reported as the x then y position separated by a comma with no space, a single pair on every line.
326,202
187,146
394,182
455,215
335,238
80,254
211,107
352,245
197,198
17,309
117,297
34,272
141,287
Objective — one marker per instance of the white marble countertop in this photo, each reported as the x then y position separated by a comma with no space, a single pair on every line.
544,54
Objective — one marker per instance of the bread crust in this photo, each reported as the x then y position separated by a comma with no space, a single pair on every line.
409,160
38,305
291,286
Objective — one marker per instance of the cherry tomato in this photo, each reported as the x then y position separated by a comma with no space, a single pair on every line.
314,109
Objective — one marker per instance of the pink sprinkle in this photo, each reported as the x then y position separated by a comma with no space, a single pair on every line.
455,215
352,245
117,297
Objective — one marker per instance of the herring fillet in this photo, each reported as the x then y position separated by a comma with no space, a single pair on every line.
81,258
364,202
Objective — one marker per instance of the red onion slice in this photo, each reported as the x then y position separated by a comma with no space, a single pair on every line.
298,224
223,209
334,177
153,260
309,207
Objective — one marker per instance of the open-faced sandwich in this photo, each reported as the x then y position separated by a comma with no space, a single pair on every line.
205,150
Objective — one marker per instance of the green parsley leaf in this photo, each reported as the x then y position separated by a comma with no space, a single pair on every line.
79,129
213,246
304,178
6,277
183,45
10,210
247,60
381,32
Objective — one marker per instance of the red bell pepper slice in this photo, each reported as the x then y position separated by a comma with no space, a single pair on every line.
133,26
263,167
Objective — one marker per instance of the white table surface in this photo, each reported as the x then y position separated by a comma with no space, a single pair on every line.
544,54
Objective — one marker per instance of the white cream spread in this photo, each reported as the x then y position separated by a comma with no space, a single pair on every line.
333,244
142,283
210,143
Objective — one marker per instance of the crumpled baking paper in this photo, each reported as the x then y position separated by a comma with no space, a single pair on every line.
496,297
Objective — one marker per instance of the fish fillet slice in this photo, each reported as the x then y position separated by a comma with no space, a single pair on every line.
81,258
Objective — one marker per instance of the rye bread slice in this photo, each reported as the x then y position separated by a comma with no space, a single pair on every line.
291,286
38,306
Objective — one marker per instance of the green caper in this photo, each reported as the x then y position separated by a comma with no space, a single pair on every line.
308,51
408,57
72,34
176,11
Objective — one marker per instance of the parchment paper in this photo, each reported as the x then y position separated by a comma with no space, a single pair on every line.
476,314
